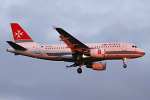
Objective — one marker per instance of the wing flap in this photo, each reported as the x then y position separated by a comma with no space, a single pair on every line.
73,43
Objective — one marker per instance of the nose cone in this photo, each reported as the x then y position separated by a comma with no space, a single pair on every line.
143,52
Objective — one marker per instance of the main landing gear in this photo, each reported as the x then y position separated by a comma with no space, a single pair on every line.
79,70
124,61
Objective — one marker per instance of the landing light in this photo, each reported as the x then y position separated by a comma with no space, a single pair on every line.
84,56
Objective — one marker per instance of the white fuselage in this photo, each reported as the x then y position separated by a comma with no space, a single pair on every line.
61,52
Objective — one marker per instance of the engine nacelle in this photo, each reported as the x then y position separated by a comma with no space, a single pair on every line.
97,66
98,53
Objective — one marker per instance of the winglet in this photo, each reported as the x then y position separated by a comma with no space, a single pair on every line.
54,27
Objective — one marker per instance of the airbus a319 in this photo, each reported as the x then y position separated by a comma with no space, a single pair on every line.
93,55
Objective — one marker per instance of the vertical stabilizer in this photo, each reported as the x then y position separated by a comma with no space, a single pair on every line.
19,34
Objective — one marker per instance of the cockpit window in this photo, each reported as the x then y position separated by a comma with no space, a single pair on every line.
134,46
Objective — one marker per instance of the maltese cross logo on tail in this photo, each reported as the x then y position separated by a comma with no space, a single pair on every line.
19,34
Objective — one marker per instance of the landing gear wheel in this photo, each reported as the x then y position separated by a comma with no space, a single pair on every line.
79,70
125,66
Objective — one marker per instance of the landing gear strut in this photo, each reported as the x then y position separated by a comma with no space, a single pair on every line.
71,66
124,61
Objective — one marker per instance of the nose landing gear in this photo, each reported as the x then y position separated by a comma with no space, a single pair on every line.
124,61
125,66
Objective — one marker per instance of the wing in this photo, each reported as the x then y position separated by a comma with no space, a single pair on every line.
74,44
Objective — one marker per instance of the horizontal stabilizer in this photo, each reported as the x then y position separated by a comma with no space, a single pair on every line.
16,46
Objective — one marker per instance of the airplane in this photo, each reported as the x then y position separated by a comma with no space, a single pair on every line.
93,55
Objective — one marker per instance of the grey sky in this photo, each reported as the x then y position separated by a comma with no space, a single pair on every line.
24,78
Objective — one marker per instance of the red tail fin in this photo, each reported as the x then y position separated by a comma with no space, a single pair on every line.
19,34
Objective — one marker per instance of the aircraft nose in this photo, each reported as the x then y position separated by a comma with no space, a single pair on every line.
143,52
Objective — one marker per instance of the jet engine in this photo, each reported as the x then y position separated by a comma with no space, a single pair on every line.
98,53
97,66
